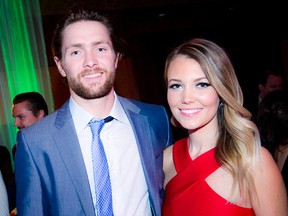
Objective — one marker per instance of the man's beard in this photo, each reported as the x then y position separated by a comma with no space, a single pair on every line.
90,92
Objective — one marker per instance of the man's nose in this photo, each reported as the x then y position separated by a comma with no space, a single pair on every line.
90,60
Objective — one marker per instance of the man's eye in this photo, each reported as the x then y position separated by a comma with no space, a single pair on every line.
75,53
101,49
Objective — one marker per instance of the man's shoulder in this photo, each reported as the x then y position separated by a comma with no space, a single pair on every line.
154,112
51,119
140,104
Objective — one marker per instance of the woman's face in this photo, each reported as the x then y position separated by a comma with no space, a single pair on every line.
192,100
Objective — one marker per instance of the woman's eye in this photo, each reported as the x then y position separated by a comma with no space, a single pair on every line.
174,86
203,85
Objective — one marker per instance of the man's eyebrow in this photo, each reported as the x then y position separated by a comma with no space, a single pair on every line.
73,46
77,45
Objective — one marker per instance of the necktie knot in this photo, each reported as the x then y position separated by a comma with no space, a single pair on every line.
97,125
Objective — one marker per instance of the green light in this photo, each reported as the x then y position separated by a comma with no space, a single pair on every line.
23,62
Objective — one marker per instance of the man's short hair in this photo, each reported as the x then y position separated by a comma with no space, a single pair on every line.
35,102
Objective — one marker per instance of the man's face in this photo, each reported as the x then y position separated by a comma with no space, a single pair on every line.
23,116
273,83
89,60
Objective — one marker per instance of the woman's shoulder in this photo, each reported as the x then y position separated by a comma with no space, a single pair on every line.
168,161
265,166
267,160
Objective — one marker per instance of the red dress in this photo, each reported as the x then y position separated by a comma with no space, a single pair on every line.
187,193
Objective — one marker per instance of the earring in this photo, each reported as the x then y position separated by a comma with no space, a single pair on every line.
221,104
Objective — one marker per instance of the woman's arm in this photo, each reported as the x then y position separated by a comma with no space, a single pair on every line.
271,191
168,165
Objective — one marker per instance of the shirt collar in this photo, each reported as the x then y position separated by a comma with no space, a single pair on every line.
81,117
118,112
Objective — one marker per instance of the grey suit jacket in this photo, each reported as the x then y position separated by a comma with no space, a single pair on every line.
50,173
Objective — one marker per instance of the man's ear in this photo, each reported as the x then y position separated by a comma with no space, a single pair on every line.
41,114
118,56
59,66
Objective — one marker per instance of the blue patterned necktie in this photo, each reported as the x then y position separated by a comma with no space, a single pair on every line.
101,170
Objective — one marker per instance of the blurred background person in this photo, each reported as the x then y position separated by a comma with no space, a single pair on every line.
268,81
7,174
272,121
4,206
28,108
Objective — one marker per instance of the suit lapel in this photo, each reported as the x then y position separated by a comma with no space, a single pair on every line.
68,145
144,142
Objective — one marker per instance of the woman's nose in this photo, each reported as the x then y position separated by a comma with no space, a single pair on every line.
188,97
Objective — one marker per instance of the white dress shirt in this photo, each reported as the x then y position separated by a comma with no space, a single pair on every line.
129,189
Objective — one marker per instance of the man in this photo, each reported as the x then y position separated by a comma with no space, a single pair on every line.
54,166
28,108
269,81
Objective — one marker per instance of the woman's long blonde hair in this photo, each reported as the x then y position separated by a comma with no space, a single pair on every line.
238,145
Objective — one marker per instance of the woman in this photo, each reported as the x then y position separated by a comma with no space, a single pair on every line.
272,121
220,168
